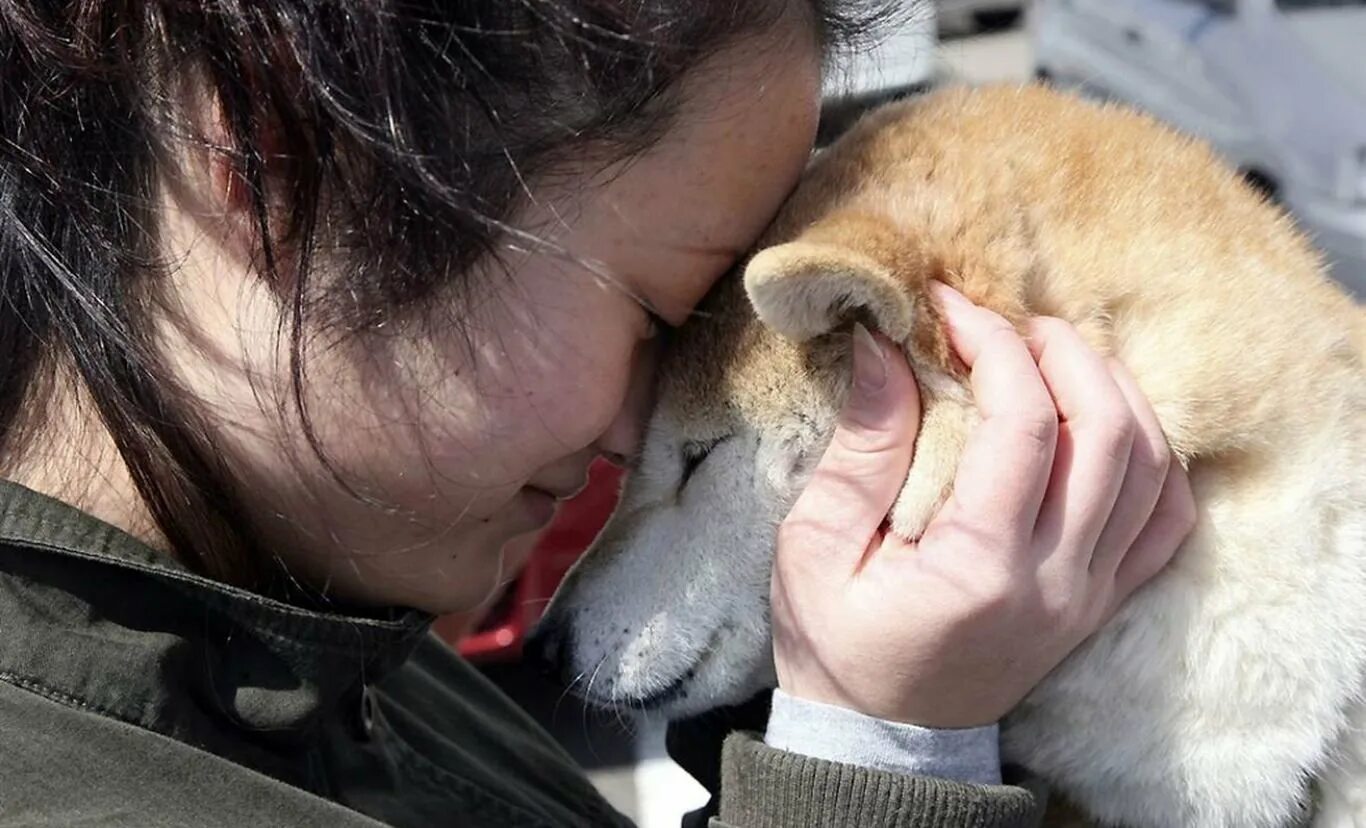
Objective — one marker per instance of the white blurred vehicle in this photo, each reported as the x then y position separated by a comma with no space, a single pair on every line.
1279,86
903,61
961,15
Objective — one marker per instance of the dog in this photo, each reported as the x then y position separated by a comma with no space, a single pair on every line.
1228,691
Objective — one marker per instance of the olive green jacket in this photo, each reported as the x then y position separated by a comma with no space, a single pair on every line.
136,693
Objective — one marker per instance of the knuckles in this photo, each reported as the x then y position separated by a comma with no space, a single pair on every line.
1114,431
1037,425
1179,509
1152,464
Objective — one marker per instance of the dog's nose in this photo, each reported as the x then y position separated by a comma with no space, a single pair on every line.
548,648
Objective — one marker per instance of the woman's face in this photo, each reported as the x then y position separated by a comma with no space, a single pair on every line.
469,434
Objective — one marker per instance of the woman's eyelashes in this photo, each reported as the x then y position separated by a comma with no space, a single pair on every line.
656,325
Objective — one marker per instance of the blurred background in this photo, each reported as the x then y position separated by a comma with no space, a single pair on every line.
1277,86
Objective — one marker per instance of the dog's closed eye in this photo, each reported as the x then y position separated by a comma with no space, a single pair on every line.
694,452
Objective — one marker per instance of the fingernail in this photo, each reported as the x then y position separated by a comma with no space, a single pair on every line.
948,295
870,363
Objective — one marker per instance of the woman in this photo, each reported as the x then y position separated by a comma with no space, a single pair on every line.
310,308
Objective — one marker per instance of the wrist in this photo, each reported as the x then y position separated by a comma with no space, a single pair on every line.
951,711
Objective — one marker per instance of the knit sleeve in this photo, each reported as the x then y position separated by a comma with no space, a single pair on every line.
766,788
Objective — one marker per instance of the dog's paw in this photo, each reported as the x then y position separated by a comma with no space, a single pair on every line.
944,427
918,502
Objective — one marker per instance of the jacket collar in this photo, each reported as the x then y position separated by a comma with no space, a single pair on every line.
91,617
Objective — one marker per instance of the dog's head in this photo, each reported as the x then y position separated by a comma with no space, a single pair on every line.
669,609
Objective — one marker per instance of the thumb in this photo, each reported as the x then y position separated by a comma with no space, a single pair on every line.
864,468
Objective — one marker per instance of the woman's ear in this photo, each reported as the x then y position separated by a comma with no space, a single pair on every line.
803,289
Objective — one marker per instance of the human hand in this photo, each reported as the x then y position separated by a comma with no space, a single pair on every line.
1066,501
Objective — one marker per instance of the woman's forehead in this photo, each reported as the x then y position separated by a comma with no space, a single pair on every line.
675,219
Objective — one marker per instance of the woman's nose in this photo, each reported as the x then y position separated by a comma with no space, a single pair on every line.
620,442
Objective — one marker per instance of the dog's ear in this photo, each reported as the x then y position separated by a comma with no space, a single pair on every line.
803,289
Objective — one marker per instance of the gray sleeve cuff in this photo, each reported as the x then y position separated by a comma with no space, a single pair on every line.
836,734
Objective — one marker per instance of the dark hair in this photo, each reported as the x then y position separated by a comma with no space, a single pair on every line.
417,122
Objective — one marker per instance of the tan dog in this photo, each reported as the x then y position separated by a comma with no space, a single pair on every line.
1225,687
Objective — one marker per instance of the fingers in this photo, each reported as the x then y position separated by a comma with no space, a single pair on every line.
1086,492
862,471
1149,461
1005,466
1094,444
1172,520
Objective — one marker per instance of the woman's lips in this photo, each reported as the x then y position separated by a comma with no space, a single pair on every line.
543,497
561,492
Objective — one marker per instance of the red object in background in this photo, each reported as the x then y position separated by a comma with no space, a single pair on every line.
503,628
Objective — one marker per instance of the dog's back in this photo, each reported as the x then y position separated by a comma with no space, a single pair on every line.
1032,202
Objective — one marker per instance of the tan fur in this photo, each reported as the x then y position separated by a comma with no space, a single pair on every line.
1234,678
